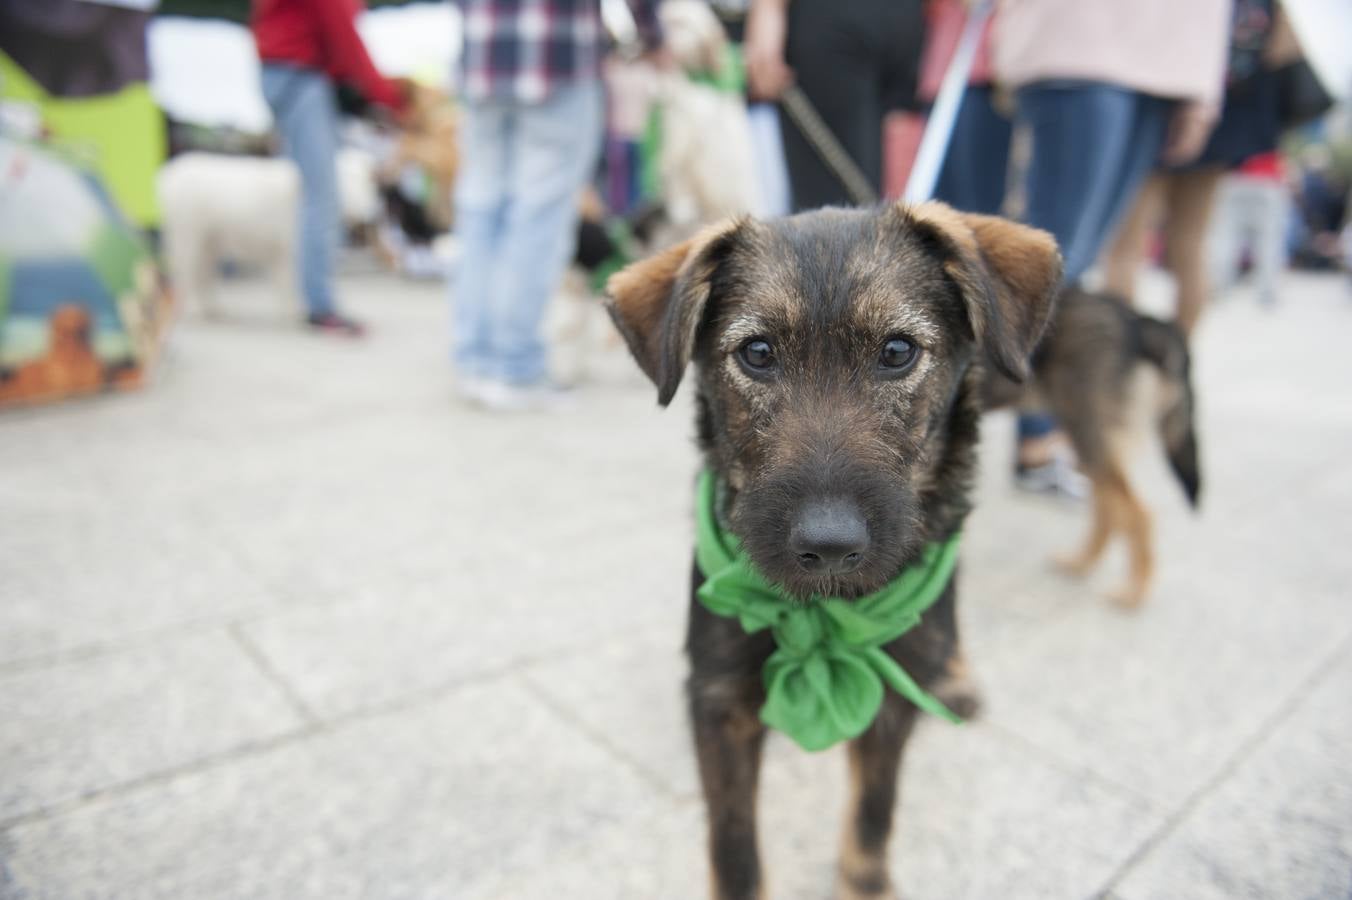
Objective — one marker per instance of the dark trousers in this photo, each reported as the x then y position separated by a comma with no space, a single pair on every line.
856,60
976,165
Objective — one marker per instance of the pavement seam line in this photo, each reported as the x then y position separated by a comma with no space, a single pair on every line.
160,776
594,735
314,727
274,677
1068,766
1285,710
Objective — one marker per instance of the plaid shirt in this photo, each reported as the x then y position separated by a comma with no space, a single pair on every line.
522,49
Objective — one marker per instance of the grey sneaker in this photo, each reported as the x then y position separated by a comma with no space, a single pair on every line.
1057,478
538,396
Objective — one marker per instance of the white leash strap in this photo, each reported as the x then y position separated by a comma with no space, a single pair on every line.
929,159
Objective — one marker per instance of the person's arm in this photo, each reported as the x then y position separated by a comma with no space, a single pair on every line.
346,56
766,32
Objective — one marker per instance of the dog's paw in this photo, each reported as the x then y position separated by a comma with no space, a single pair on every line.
1072,565
961,695
864,889
1131,596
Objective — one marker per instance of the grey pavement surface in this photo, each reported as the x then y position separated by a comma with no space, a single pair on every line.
293,623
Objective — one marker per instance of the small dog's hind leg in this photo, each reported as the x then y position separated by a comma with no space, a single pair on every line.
1106,515
875,760
1138,529
728,741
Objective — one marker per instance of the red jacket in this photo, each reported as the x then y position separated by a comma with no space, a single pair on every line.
321,34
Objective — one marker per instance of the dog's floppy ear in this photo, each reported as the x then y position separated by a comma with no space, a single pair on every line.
1009,275
658,303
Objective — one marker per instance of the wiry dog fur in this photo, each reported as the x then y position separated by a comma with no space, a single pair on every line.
1109,373
828,423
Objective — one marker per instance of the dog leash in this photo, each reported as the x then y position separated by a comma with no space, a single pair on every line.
938,129
827,146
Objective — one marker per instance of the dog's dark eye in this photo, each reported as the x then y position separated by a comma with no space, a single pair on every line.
898,355
758,354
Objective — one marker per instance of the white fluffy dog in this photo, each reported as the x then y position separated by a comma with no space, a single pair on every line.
245,209
707,163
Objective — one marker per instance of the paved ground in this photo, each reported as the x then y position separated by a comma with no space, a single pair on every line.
292,624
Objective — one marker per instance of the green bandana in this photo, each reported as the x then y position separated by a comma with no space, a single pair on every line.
824,682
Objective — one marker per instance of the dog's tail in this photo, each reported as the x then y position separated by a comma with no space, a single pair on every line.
1163,345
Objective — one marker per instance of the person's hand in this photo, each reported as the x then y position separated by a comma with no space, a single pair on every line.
1188,132
766,29
660,58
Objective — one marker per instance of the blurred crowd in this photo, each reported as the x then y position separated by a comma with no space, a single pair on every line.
558,140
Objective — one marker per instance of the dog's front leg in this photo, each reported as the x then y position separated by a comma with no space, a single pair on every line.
728,741
875,761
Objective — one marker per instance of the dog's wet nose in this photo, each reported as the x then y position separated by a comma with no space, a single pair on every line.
829,537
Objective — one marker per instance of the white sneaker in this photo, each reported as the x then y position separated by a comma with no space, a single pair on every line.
539,396
470,388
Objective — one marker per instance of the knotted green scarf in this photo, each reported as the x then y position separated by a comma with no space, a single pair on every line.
824,682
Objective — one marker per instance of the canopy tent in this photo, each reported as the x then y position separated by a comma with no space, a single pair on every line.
82,302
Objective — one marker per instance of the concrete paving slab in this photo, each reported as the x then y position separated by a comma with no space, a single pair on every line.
980,817
86,574
420,804
383,644
1162,696
1280,827
76,729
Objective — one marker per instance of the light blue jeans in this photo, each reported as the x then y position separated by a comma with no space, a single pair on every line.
306,110
516,217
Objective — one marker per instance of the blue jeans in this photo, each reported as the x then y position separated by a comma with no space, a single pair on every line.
303,103
516,216
1093,145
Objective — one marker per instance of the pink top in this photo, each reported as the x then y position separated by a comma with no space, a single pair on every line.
1168,48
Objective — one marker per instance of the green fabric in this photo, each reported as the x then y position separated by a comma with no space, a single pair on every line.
730,78
114,253
824,682
622,237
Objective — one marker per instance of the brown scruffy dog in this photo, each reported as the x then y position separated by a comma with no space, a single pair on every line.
1109,375
840,357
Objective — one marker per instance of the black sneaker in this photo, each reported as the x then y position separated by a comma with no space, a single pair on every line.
335,324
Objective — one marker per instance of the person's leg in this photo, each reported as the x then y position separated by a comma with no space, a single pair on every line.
555,150
306,111
1269,244
1092,145
974,174
1126,252
1191,197
1145,141
480,205
1227,228
840,74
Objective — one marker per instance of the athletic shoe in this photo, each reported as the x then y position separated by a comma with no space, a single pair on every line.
335,324
1056,478
538,396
